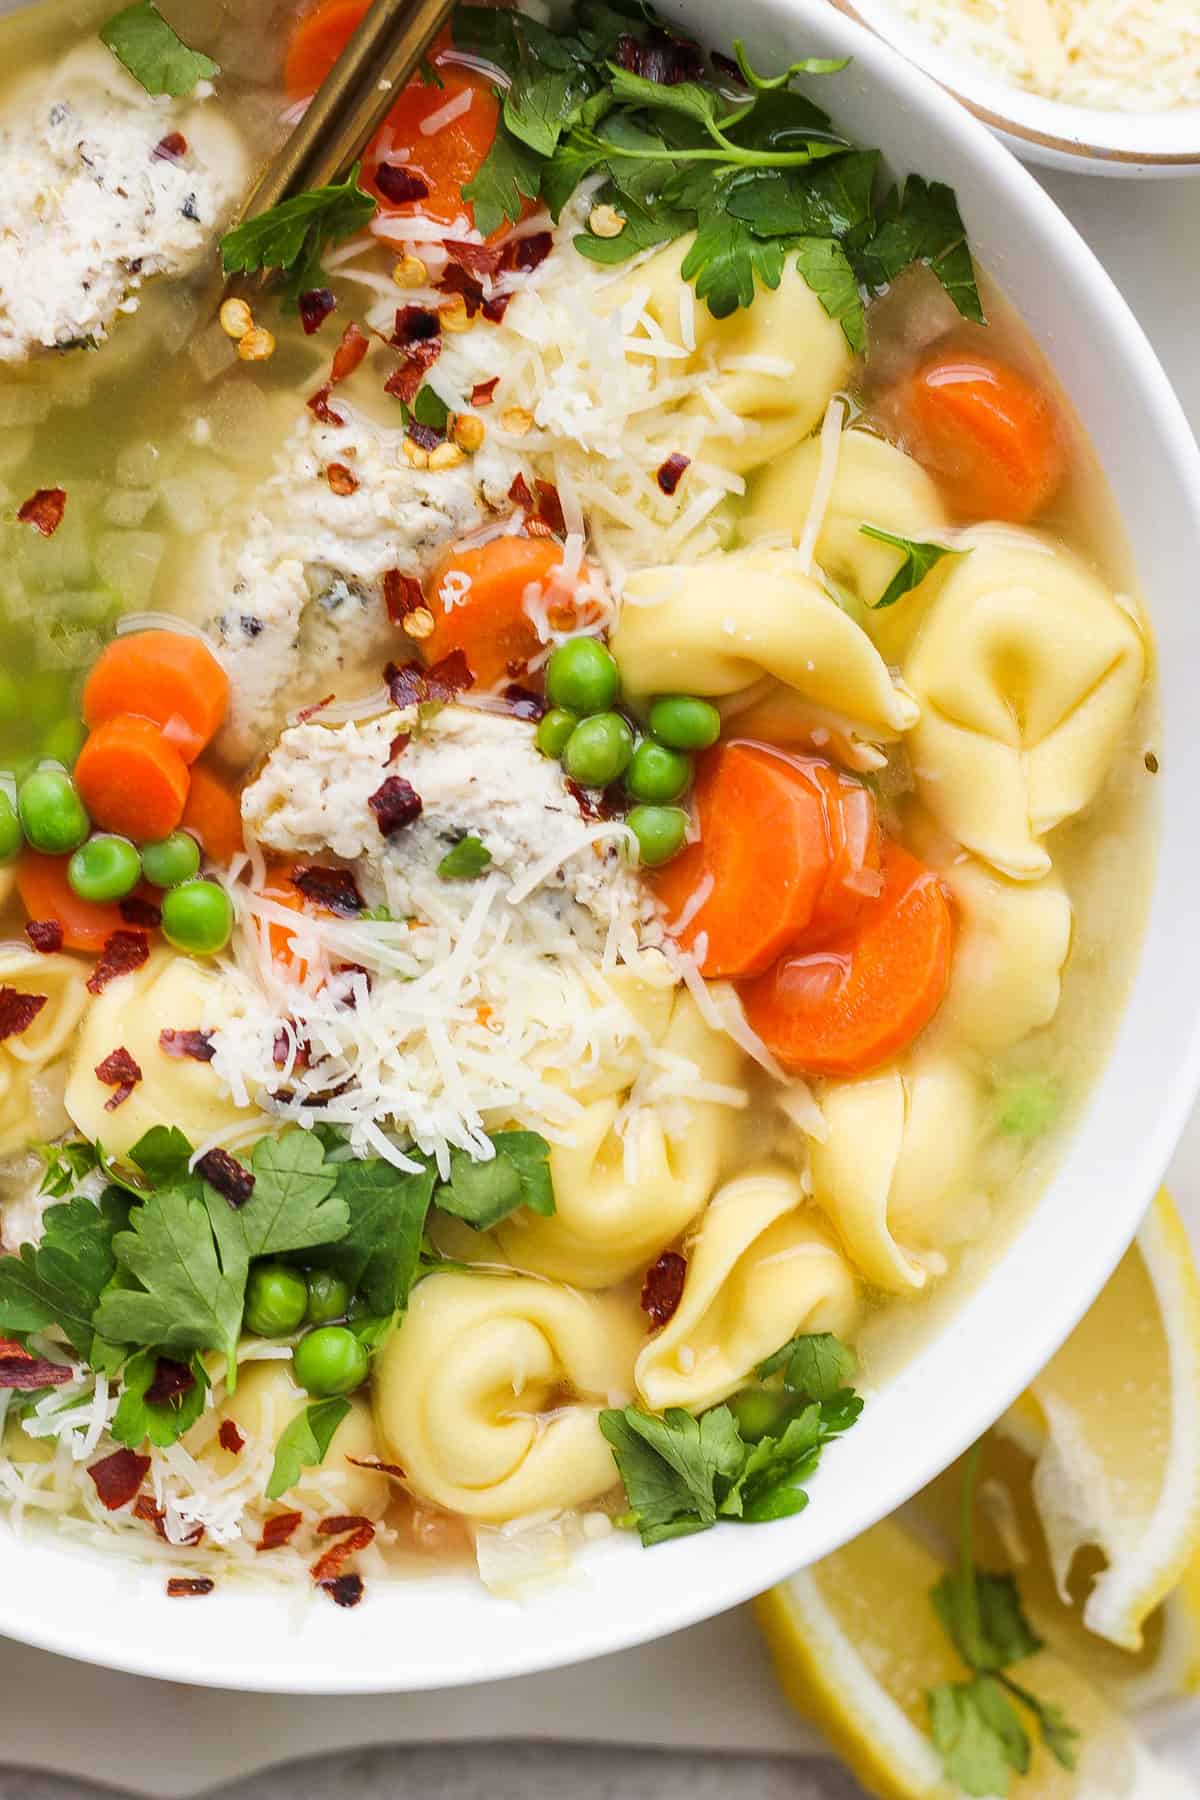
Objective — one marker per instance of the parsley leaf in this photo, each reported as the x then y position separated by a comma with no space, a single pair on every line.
817,1365
379,1254
979,1737
919,559
66,1166
826,268
724,258
294,1205
675,1467
809,65
830,201
59,1280
465,860
162,1421
304,1444
483,1193
921,223
153,52
510,173
162,1154
294,235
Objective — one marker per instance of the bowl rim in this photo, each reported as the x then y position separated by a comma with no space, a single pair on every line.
97,1607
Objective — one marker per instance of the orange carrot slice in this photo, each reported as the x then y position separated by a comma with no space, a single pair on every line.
992,440
166,676
213,815
131,779
479,605
86,924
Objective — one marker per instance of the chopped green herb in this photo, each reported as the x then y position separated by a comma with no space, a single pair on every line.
304,1444
468,858
920,223
826,268
293,236
294,1205
66,1165
162,1421
817,1365
1029,1105
379,1254
510,174
919,559
153,52
809,65
483,1193
59,1281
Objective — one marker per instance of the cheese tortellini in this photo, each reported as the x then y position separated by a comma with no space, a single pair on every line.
1026,671
775,365
32,1068
898,1152
488,1393
168,993
762,1269
720,626
637,1170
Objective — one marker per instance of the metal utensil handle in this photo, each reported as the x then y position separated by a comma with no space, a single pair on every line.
352,101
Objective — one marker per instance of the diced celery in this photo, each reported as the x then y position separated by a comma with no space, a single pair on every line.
129,506
127,562
139,465
185,503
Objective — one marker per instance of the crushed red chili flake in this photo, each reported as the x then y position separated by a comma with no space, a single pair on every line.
18,1369
232,1179
45,935
334,889
18,1011
230,1438
428,436
403,383
123,952
329,1565
318,403
481,259
307,712
314,308
519,493
340,479
136,911
671,472
495,307
282,1048
44,510
337,1523
353,347
482,392
399,745
350,996
171,1380
185,1587
402,594
118,1477
344,1590
196,1044
118,1070
609,803
410,685
524,703
374,1462
662,1290
528,252
549,507
278,1529
396,803
399,184
460,281
146,1508
170,148
664,59
414,325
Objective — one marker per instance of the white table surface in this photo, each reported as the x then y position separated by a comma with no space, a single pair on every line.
705,1690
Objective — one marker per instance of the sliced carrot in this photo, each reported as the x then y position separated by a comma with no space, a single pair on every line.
280,888
131,779
479,605
846,1008
992,440
213,815
317,42
167,676
787,847
46,894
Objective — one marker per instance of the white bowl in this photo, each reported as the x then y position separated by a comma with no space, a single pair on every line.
1089,140
447,1630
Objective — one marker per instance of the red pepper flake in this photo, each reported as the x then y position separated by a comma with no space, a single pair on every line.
414,325
146,1508
118,1477
230,1438
232,1179
399,184
381,1468
495,307
519,492
398,745
44,510
18,1011
402,594
671,472
662,1289
403,383
481,259
528,252
353,347
611,802
314,308
45,935
309,712
278,1529
171,1381
120,1071
457,280
136,911
524,703
330,1565
282,1048
665,59
337,1523
428,436
482,392
184,1587
344,1590
396,803
334,889
549,507
340,479
123,952
18,1369
318,403
196,1044
350,996
411,685
170,148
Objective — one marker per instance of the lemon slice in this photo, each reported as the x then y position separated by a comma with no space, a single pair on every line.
857,1646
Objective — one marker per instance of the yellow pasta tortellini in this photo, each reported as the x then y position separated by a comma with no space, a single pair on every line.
32,1071
718,627
1026,671
762,1268
631,1009
266,1400
488,1393
621,1196
775,365
1012,942
168,993
898,1151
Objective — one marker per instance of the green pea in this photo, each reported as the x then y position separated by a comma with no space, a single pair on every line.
12,837
52,814
598,750
276,1298
659,830
171,860
657,774
554,730
582,676
63,742
684,723
104,868
758,1412
330,1361
328,1298
197,916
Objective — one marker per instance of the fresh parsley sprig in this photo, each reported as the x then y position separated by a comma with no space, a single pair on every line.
153,51
304,1444
293,236
919,559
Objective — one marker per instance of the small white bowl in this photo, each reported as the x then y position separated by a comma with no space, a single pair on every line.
447,1629
1088,140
